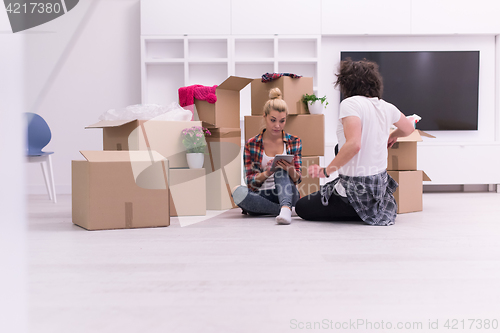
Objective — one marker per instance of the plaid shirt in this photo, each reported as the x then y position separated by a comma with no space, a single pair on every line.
370,196
252,157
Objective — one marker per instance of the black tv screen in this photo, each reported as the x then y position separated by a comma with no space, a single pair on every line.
440,86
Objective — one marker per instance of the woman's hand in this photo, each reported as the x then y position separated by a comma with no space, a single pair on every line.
392,140
287,166
315,171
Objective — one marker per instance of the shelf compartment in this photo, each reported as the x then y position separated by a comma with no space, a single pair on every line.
299,68
207,75
164,49
297,48
162,83
254,71
254,48
207,49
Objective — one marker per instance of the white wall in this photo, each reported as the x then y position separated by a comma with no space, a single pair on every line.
80,65
13,296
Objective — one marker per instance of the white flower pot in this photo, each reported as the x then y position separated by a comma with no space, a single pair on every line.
195,160
315,107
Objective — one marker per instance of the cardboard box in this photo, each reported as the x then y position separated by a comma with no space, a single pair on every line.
161,136
291,90
188,192
309,128
403,154
223,167
308,185
120,189
409,193
226,111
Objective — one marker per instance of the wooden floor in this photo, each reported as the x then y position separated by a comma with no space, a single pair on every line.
232,273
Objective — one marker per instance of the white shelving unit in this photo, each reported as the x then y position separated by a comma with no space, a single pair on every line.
171,62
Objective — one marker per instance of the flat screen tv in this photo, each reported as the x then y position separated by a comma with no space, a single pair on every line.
440,86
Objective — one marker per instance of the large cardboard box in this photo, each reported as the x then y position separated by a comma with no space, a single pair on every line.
308,185
223,167
409,193
226,111
161,136
120,189
403,154
309,128
291,89
188,192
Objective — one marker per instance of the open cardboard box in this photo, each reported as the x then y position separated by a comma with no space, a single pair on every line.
403,154
161,136
291,90
409,193
226,111
120,189
309,128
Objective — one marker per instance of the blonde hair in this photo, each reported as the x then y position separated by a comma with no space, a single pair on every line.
275,102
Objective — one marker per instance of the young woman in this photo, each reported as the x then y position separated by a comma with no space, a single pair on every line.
363,190
271,192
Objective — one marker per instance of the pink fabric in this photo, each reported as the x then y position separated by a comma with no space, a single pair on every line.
205,94
189,93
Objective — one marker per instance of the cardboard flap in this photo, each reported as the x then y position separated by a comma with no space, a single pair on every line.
234,83
425,177
422,133
223,133
121,156
413,137
109,123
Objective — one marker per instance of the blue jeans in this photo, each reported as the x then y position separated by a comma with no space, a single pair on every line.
268,202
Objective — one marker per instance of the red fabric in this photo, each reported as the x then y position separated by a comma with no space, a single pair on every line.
205,94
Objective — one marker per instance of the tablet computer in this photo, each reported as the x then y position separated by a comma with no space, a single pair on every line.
288,158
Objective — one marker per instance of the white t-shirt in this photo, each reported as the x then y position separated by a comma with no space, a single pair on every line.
376,116
268,184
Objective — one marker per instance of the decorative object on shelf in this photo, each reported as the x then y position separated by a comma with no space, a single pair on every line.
312,106
193,139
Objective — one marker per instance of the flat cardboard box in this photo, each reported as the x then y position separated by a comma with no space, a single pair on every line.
188,192
161,136
308,185
223,167
291,90
226,111
409,192
120,189
309,128
403,154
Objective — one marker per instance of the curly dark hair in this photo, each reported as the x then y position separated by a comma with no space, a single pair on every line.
359,78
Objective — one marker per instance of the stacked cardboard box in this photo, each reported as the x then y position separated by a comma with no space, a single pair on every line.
187,189
310,128
402,166
223,158
120,189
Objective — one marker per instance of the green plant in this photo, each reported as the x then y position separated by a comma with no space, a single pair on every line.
306,98
193,138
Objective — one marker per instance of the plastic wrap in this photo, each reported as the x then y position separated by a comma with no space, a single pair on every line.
172,112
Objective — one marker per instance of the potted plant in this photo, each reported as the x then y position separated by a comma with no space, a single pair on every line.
193,139
312,106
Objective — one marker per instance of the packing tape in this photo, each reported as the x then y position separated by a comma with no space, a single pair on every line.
395,163
129,214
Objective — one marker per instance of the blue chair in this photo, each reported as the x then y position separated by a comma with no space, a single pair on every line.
38,136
